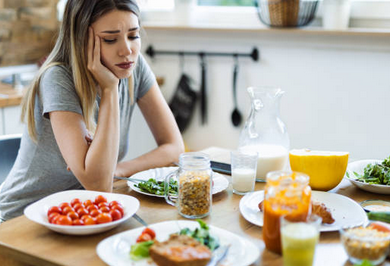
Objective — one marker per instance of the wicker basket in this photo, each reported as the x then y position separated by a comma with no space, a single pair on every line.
286,13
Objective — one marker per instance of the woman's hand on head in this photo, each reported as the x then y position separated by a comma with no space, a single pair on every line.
104,77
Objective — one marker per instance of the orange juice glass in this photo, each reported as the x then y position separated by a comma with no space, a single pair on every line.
286,194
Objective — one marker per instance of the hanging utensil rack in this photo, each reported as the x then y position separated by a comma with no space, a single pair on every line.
255,55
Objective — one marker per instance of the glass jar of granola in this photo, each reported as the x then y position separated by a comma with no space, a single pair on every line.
194,178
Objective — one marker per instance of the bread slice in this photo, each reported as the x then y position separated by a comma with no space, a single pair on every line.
180,250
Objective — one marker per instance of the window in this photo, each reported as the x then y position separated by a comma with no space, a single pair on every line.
225,2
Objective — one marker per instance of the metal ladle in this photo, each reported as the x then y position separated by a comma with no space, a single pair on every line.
236,115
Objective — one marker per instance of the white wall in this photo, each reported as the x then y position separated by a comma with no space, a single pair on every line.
337,86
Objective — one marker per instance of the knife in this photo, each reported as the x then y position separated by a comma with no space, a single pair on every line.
135,180
218,255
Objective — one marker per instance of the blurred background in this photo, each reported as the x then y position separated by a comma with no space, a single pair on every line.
334,70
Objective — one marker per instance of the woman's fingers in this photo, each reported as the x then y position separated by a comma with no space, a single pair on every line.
90,47
96,51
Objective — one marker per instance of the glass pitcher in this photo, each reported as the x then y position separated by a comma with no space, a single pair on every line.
194,179
264,131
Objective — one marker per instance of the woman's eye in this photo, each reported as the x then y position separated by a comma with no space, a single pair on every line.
133,37
109,40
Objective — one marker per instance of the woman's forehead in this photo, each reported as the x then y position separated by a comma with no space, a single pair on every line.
116,20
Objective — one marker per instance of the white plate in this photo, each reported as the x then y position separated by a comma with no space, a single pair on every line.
37,211
358,167
115,250
220,182
345,211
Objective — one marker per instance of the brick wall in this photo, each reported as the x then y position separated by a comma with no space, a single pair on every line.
28,29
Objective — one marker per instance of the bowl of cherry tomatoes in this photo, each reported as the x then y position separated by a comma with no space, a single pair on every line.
82,212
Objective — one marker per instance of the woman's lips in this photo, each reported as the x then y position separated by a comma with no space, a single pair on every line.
125,65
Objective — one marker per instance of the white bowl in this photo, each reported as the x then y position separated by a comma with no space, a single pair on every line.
37,212
358,167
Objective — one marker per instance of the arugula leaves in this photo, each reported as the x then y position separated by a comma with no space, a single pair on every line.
377,173
153,186
202,235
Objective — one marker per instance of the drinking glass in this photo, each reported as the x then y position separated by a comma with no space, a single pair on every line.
244,166
299,240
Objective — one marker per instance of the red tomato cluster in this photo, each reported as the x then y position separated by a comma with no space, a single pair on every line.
146,235
88,212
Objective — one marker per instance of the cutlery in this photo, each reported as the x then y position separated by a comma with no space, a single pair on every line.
139,219
218,255
135,180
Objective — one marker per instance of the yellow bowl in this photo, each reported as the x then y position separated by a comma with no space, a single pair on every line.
326,169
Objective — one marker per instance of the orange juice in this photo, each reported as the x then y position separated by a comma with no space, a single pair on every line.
286,194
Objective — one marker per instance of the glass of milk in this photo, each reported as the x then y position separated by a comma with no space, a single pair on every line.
244,164
299,240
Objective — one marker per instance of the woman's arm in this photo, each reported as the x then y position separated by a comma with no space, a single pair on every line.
165,131
94,164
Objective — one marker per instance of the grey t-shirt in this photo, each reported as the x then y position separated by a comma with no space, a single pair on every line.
40,169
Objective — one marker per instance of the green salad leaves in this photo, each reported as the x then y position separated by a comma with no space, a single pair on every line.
140,250
377,173
202,235
153,186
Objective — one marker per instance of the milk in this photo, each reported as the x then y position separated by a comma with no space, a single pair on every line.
270,158
243,179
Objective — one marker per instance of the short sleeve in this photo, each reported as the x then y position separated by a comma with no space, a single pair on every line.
57,91
145,77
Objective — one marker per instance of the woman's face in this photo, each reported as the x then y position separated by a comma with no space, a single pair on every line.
120,41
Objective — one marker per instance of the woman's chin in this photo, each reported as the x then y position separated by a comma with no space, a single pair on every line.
123,74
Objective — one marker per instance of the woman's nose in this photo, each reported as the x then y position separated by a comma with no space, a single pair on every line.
125,49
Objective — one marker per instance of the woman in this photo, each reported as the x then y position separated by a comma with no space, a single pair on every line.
89,83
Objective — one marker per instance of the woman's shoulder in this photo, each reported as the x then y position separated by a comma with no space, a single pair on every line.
57,72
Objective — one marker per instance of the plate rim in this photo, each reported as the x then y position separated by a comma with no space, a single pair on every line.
183,223
322,229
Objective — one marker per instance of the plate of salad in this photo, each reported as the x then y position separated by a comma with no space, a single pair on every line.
370,175
153,184
123,248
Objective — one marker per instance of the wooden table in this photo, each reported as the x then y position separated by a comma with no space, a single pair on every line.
23,242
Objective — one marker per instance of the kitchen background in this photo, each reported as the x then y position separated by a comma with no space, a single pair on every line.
336,82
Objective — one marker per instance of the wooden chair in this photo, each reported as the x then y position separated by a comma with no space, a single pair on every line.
9,148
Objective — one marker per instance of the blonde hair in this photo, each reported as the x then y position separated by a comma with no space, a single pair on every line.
70,51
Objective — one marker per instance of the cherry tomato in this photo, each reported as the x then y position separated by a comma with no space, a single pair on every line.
64,204
95,212
100,198
64,220
54,209
119,208
115,214
92,207
103,204
380,226
87,203
104,218
89,221
114,202
52,216
82,211
78,222
75,201
55,219
78,206
143,238
104,209
150,232
73,215
67,210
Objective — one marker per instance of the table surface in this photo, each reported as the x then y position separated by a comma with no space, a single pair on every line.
25,242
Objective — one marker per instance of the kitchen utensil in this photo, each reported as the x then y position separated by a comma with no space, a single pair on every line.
218,255
236,115
203,91
134,180
139,219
